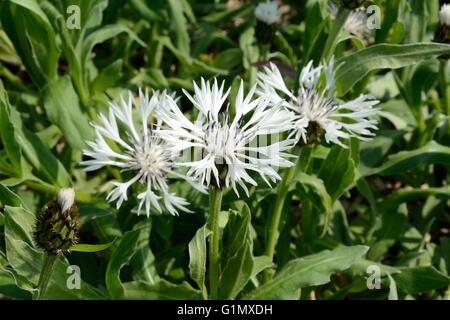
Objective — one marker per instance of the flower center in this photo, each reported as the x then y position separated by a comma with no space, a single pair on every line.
150,159
315,106
219,141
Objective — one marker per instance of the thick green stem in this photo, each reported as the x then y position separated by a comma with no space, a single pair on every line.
44,278
338,23
215,203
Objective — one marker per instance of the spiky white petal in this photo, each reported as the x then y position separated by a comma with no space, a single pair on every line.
219,141
316,103
268,12
139,149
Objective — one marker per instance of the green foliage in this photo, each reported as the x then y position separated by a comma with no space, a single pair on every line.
382,203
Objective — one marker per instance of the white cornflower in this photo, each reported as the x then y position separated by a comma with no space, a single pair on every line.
356,23
316,105
140,150
268,12
444,14
225,146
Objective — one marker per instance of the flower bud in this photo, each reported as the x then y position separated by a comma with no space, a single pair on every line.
442,33
267,17
57,226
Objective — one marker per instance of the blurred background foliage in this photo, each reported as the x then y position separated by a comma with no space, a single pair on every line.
391,194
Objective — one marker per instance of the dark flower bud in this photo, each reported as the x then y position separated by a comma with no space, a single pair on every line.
57,226
268,18
442,33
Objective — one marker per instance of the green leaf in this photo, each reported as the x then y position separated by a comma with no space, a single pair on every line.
47,166
91,247
101,35
63,109
163,290
197,258
108,77
337,171
143,262
408,195
360,266
314,189
238,247
400,162
33,37
179,26
119,258
228,59
393,225
7,133
356,66
260,263
420,279
393,294
9,198
309,271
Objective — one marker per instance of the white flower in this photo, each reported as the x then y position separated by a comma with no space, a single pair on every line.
222,144
356,22
140,149
444,14
66,198
315,104
268,12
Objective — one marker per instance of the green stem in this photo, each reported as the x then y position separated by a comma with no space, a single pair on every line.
215,203
42,186
338,23
274,224
445,85
264,52
44,278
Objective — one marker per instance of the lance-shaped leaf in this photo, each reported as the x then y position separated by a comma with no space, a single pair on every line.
33,37
7,134
63,109
197,258
238,247
354,67
432,153
309,271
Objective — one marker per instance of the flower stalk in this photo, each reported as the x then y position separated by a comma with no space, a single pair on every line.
215,203
44,277
445,85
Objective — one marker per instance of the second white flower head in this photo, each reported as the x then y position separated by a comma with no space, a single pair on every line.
316,105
